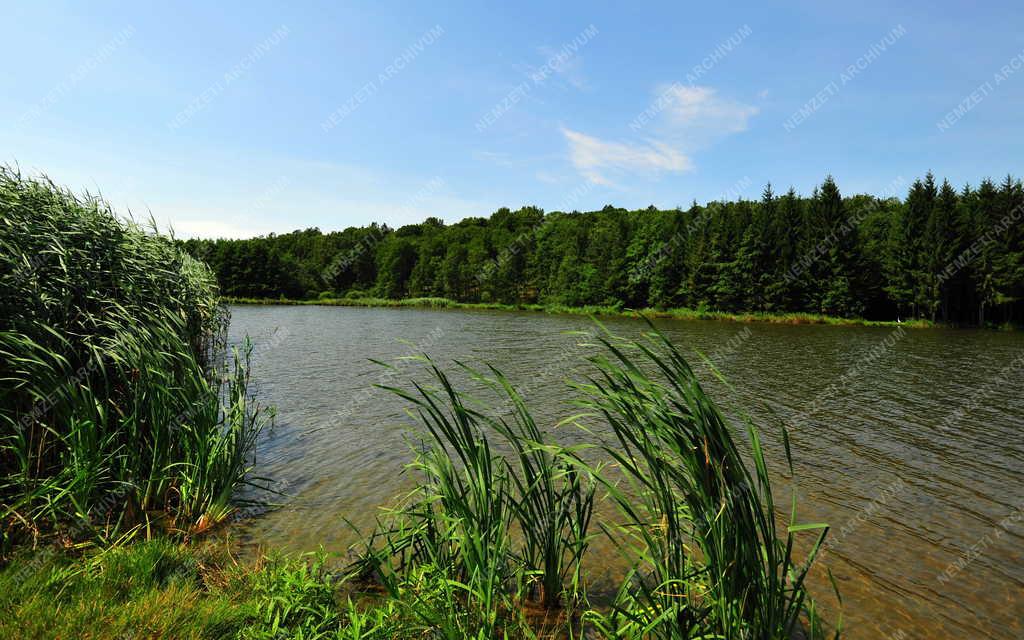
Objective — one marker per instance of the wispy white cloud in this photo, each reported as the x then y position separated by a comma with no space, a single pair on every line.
680,120
594,157
690,108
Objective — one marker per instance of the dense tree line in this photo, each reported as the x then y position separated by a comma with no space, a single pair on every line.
941,253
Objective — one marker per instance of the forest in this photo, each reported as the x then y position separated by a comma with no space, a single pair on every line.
943,254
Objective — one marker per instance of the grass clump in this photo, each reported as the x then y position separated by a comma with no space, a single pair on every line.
504,517
501,516
118,408
699,527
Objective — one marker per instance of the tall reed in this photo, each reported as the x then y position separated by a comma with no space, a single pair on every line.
498,512
503,517
698,526
118,408
553,503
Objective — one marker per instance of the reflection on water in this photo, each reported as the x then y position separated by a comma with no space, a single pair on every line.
908,442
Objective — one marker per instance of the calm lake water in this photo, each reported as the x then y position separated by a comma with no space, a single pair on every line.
910,443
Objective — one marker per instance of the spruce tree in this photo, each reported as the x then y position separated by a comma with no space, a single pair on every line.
938,251
1008,241
786,290
985,208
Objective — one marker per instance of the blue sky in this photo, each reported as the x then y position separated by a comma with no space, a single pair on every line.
243,119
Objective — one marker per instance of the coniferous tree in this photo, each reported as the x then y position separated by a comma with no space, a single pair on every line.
1008,236
755,264
956,257
699,266
938,250
834,256
985,205
666,264
786,289
906,274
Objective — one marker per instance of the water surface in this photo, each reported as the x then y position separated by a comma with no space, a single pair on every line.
910,443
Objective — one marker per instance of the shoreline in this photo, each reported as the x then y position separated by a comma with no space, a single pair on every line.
795,318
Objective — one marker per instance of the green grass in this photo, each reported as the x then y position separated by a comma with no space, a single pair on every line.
161,589
492,542
590,310
120,410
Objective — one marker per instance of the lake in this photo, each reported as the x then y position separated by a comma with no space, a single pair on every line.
909,442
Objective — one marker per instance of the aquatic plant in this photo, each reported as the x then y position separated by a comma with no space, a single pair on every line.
698,527
119,409
502,515
505,515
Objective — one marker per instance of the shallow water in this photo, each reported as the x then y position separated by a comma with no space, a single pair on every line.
910,443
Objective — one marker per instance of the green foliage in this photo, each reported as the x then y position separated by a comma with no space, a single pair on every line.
159,589
492,542
118,410
859,256
152,589
292,599
471,498
699,528
503,517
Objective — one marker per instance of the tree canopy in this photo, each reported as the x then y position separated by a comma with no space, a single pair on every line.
941,253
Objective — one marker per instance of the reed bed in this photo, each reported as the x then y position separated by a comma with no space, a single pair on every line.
699,526
120,408
503,518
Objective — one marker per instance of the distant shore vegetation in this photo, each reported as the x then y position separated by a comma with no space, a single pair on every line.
589,310
942,254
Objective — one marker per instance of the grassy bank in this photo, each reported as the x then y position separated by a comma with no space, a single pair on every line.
592,310
163,589
489,544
